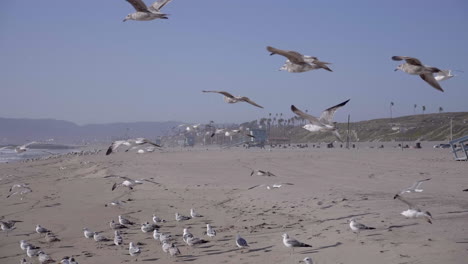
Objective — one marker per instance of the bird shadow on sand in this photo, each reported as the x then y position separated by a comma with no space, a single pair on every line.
151,259
401,226
315,250
217,252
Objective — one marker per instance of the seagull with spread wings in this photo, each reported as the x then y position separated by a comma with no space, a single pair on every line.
20,149
414,188
129,183
144,13
297,62
129,143
414,66
324,123
414,211
231,99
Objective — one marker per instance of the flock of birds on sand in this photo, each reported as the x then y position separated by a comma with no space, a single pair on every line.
167,241
295,63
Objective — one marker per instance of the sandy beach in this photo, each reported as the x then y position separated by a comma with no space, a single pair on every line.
329,187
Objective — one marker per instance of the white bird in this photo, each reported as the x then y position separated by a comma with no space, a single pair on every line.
297,62
324,123
164,237
261,173
144,13
20,189
414,211
99,238
51,237
292,243
65,260
118,240
8,226
357,227
44,258
24,245
134,250
157,219
191,241
147,227
114,225
173,250
41,230
73,261
231,99
87,233
210,231
414,66
165,246
240,242
156,234
22,148
414,187
307,260
179,217
124,221
129,183
32,252
194,214
130,143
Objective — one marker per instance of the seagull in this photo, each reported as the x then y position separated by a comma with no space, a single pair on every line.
99,238
51,237
414,66
235,132
144,13
130,143
164,237
41,230
231,99
292,243
157,219
32,252
124,221
114,225
166,246
357,227
129,183
210,231
20,149
87,233
262,173
24,245
194,241
180,217
20,189
324,123
8,225
24,261
173,250
44,258
413,188
147,227
443,75
193,214
240,242
414,211
218,131
118,240
297,62
134,250
307,260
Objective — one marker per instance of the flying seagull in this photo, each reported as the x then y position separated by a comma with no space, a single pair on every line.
20,149
414,187
324,123
144,13
231,99
414,211
297,62
414,66
130,143
129,183
261,173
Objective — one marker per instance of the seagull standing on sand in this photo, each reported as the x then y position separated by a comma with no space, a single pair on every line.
24,245
8,226
231,99
414,66
240,242
87,233
99,238
414,211
41,230
292,243
194,214
210,231
124,221
357,227
118,240
414,187
147,227
32,252
297,62
173,250
114,225
144,13
179,217
129,143
133,250
157,219
44,258
324,123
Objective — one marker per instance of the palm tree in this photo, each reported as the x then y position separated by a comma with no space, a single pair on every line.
440,109
423,109
414,109
391,105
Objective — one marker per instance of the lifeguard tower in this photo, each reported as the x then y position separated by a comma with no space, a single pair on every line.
459,147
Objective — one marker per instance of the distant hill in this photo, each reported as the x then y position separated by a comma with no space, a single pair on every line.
427,127
18,131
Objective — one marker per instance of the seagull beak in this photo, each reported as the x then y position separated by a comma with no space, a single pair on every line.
396,69
125,19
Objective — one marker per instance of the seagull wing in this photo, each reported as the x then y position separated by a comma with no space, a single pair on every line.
247,100
150,142
430,79
327,115
139,5
418,183
410,205
28,144
409,60
293,56
220,92
322,65
312,119
157,5
116,144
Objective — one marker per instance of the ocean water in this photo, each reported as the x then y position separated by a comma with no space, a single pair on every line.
9,155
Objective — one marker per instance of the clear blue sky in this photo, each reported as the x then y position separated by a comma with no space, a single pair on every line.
77,60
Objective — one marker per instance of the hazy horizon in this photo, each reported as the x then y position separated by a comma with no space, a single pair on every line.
88,67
